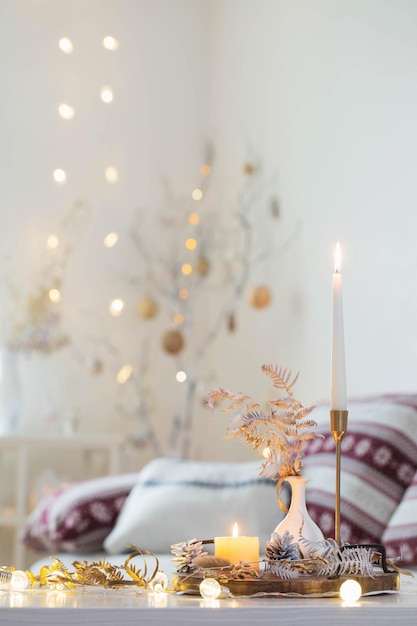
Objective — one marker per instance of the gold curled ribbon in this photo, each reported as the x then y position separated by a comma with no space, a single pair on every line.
137,578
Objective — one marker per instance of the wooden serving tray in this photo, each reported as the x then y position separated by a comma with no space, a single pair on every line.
305,585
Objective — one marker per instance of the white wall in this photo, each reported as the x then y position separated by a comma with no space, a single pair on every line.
326,91
321,92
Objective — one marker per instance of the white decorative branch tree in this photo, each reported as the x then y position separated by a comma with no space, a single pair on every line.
197,258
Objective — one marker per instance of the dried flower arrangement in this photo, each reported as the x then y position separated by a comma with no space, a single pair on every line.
283,430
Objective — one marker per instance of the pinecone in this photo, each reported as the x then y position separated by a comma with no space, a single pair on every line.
282,547
185,553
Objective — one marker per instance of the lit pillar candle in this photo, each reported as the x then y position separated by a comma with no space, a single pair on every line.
338,383
237,549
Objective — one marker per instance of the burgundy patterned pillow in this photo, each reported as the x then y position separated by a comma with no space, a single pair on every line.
78,516
400,536
379,460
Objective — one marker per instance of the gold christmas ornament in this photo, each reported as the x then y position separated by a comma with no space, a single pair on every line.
147,308
203,266
249,169
259,297
173,341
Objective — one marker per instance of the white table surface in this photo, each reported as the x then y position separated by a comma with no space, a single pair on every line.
97,606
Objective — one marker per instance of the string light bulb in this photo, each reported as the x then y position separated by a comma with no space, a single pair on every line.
350,591
110,43
266,453
124,373
106,94
116,307
66,111
181,376
205,170
197,194
159,582
194,218
14,579
54,295
191,244
65,45
186,269
52,242
210,589
111,239
111,174
60,176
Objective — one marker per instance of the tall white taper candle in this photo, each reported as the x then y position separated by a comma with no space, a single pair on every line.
338,400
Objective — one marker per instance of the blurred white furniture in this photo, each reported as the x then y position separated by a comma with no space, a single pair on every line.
14,516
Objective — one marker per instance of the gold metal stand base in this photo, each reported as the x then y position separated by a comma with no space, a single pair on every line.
304,585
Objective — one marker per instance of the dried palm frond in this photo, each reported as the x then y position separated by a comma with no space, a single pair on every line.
354,560
285,569
326,549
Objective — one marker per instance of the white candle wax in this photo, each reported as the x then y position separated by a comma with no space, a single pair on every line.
338,400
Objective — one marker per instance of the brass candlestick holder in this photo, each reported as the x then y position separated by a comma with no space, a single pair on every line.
338,427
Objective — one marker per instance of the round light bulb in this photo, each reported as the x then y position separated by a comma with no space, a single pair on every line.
16,580
191,244
110,43
197,194
124,374
194,218
210,589
52,242
54,295
186,269
205,170
116,307
111,239
159,582
19,580
65,45
266,453
350,591
181,376
66,111
60,176
111,174
106,94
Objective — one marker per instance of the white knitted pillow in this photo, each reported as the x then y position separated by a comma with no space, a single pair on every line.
178,500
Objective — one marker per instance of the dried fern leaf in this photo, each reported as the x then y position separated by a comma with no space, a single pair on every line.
281,377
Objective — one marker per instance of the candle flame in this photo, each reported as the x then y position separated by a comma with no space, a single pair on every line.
338,259
235,532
